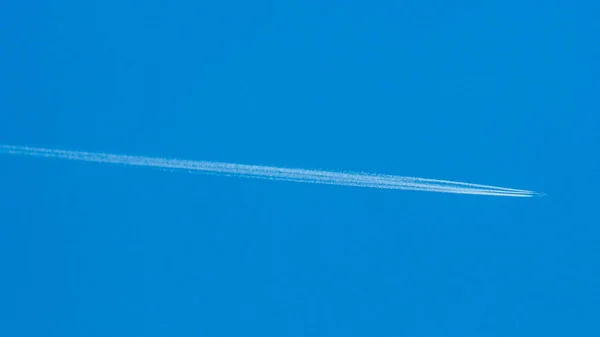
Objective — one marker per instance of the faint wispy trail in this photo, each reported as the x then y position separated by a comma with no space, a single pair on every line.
379,181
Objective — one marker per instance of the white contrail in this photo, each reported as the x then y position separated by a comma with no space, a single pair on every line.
275,173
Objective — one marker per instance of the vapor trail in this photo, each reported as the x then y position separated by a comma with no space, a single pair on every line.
275,173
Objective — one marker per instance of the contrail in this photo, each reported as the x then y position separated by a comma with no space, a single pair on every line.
357,179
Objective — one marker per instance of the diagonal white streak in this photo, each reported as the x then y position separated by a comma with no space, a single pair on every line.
275,173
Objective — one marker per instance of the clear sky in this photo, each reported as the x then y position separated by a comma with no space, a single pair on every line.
492,92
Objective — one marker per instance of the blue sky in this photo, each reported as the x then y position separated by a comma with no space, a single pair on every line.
494,92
